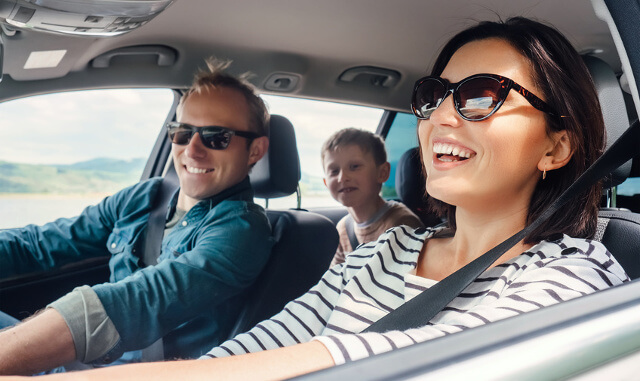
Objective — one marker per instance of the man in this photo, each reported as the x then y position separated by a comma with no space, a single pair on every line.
191,297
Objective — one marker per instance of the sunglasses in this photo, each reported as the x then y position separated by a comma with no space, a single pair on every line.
214,137
475,98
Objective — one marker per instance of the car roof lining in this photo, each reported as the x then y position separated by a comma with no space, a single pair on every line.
315,40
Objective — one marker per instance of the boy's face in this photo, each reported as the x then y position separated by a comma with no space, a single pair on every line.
352,176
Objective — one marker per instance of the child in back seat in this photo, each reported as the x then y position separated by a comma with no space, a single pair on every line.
355,167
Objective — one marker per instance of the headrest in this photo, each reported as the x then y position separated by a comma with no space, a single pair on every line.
410,182
277,174
614,111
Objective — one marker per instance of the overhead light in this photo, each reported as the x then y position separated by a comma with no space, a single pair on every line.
44,59
81,17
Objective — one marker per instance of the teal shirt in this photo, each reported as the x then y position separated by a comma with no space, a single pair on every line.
191,298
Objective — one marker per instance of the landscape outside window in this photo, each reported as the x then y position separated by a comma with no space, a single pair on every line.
403,135
62,152
314,122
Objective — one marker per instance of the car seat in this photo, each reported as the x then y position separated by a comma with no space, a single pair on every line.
618,229
410,187
305,242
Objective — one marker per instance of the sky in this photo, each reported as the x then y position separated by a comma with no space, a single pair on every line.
77,126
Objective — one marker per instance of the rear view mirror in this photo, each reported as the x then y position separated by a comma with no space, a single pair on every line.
97,18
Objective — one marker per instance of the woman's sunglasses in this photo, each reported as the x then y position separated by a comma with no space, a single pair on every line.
214,137
475,98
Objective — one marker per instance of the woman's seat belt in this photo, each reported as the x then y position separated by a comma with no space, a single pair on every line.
423,307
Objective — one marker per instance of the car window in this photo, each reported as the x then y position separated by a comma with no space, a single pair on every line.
628,193
64,151
401,137
314,121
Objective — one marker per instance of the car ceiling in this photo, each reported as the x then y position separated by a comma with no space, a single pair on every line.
314,40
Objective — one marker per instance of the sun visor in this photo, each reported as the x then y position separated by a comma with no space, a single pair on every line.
101,18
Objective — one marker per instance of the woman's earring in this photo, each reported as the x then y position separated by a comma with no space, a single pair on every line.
544,173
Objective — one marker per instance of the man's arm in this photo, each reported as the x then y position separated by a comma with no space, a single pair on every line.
40,248
157,299
66,240
37,344
45,341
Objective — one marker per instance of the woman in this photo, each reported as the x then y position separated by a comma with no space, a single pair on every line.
508,119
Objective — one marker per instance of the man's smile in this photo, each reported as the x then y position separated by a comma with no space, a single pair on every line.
197,170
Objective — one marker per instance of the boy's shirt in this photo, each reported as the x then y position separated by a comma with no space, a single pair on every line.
395,214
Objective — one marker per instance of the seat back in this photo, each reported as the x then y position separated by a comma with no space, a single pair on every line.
277,174
305,242
614,110
619,232
410,186
618,229
305,245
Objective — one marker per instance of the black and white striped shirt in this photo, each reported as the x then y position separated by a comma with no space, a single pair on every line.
377,278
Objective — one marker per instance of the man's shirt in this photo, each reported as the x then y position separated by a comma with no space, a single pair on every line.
192,296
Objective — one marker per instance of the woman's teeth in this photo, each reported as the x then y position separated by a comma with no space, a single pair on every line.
441,149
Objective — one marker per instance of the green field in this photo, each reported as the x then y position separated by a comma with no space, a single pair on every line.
94,176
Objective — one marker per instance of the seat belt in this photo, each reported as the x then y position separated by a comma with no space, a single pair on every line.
158,219
423,307
348,224
153,244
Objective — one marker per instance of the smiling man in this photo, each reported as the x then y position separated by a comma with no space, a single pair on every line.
192,295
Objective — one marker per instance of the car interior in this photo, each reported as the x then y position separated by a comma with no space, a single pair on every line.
359,52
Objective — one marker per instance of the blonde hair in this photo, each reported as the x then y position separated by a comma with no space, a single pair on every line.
215,76
367,141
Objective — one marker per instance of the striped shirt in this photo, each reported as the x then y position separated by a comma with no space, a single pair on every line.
377,278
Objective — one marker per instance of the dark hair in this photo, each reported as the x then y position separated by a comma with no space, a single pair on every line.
566,85
215,76
367,141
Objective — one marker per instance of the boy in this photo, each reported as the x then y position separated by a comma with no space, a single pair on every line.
355,166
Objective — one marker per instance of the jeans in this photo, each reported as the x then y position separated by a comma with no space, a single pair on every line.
7,320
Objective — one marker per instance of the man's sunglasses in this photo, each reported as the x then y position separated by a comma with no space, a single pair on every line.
214,137
475,98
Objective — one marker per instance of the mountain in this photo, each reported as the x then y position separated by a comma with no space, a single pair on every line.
107,165
310,184
103,175
100,175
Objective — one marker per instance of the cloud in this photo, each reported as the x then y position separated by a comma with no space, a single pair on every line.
315,121
75,126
